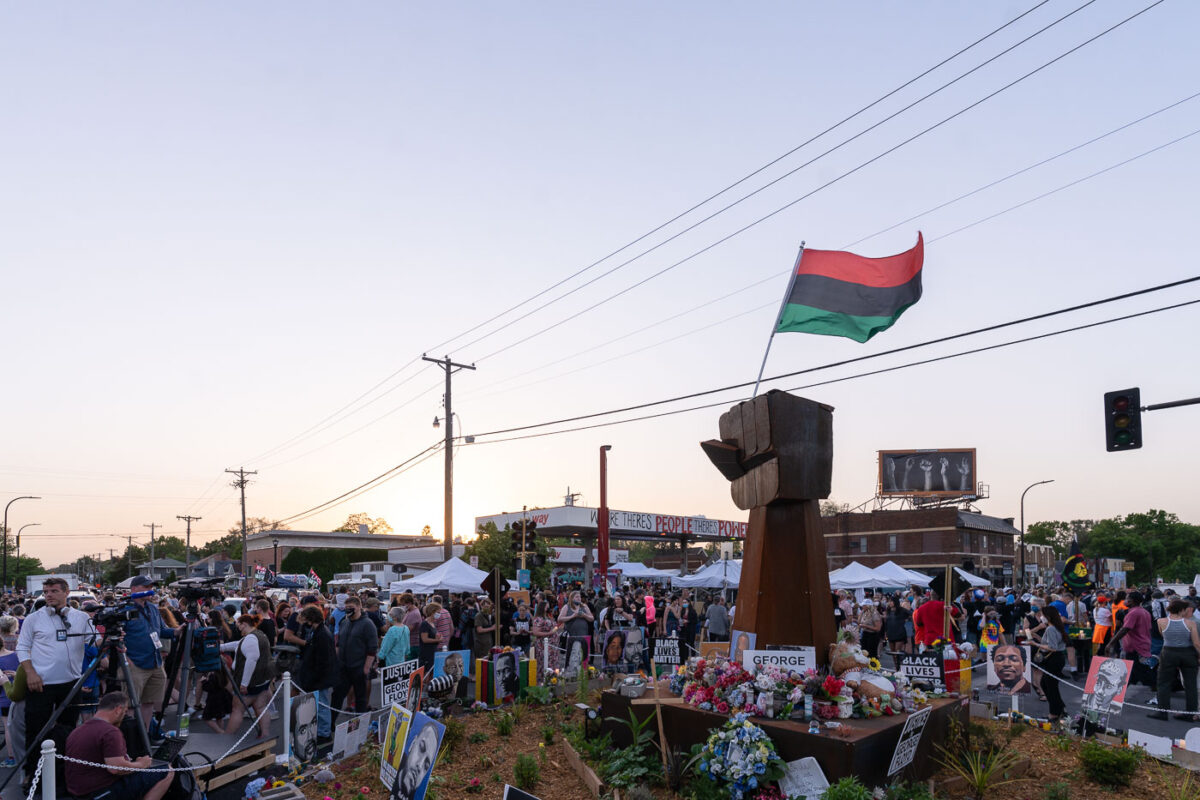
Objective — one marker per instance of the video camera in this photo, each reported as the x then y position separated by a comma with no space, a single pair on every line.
114,616
195,589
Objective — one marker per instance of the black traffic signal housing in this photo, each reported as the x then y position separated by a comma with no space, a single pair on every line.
530,534
1123,419
538,560
517,544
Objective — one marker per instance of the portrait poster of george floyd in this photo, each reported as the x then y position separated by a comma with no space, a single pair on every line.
1009,670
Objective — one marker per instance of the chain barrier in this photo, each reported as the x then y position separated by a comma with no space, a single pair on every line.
190,768
1125,704
37,776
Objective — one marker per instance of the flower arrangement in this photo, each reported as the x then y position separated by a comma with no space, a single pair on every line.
741,756
479,705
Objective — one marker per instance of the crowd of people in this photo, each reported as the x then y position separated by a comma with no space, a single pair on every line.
1154,629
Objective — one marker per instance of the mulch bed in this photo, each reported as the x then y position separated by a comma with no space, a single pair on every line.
492,760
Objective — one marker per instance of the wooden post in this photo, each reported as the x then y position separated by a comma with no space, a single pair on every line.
662,734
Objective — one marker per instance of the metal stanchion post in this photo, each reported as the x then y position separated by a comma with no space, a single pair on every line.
287,715
49,790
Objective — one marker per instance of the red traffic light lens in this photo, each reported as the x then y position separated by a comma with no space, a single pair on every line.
1121,403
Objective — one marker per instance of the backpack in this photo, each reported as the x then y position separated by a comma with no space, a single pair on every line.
185,786
206,650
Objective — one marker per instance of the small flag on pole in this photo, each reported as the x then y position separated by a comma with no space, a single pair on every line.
835,293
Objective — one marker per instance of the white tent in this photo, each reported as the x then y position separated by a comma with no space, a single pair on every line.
899,576
454,575
974,580
856,576
717,575
636,569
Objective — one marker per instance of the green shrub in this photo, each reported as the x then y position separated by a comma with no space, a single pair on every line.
548,734
1063,743
503,723
478,737
537,695
455,732
630,766
526,772
1109,766
847,789
908,791
1059,790
980,769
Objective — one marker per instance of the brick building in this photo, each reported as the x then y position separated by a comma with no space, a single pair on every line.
926,540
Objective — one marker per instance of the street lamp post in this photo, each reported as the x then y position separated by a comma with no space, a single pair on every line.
275,543
1027,488
23,527
10,502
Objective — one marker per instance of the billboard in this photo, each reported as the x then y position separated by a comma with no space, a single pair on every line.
927,472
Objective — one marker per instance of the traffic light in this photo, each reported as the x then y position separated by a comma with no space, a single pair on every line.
538,560
517,544
1123,419
530,535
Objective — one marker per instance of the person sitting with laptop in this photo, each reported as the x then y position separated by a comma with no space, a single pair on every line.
99,741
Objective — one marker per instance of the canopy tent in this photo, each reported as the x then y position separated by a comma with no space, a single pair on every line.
856,576
280,583
899,576
974,580
717,575
454,575
636,569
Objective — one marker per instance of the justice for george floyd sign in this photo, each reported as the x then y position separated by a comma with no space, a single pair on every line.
910,738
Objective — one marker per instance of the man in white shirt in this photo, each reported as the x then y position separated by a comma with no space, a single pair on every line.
50,649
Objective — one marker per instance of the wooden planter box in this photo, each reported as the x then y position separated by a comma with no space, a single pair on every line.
586,774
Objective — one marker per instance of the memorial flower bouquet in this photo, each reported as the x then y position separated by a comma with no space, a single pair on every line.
741,757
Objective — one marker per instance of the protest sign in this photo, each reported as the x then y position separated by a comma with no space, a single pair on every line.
925,668
910,737
791,660
804,779
666,651
394,681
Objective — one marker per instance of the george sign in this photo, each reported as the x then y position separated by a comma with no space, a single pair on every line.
475,562
666,651
923,668
394,680
929,473
910,737
804,779
798,660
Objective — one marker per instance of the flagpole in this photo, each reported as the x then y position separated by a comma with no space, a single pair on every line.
778,319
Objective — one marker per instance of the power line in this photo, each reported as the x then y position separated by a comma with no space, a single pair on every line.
379,477
823,186
870,373
330,419
781,273
926,343
750,175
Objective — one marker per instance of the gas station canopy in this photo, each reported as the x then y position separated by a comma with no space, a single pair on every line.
580,521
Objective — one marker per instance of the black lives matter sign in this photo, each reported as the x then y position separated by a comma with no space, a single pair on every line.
666,651
924,668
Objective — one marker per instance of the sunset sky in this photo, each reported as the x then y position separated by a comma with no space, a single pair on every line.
230,231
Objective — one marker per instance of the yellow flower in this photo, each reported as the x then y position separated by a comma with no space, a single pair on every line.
874,664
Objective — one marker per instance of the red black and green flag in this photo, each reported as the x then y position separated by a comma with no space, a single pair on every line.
835,293
1075,571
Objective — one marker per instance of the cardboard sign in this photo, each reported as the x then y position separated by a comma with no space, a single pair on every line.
910,737
393,681
1009,670
513,793
740,642
792,660
304,726
1154,745
804,779
666,651
349,736
1107,680
392,750
923,668
710,650
411,779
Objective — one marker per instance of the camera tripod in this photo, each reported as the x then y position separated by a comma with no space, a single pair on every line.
182,666
112,646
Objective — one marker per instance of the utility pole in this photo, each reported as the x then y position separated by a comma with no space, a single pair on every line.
189,519
524,535
129,552
240,483
448,536
152,526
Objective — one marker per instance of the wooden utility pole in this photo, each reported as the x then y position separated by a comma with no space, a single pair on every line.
152,526
189,519
448,535
240,483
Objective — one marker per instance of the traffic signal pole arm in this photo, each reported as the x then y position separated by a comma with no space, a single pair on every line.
1191,401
